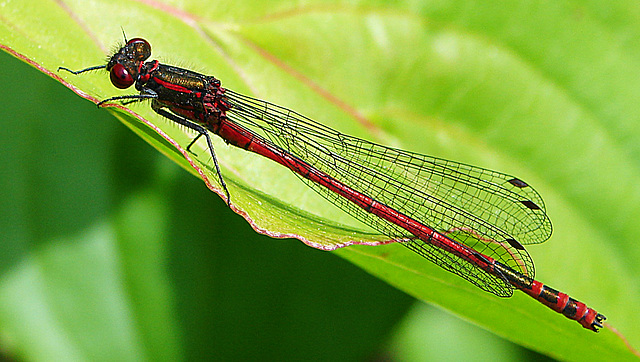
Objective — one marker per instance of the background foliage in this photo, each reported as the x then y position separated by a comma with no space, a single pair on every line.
111,251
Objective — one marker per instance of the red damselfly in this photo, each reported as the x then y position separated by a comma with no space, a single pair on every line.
468,220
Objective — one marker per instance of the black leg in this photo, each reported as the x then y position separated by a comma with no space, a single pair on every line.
132,98
194,141
201,132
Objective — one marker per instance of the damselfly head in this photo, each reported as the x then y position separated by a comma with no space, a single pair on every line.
124,66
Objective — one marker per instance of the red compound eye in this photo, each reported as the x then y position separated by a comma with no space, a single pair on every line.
120,77
141,47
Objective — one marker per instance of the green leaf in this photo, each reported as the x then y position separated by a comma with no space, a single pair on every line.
110,249
545,92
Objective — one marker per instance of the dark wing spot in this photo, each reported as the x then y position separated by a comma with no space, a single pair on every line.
530,204
518,183
481,257
515,244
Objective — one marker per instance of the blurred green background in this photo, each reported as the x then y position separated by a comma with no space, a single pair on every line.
82,195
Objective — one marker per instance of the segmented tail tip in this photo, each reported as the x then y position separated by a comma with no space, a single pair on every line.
597,322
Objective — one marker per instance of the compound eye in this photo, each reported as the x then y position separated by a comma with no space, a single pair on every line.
120,77
141,47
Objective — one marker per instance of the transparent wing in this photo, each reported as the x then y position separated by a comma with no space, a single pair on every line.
491,212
